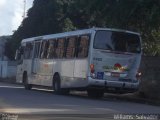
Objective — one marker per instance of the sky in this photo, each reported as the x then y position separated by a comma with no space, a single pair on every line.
11,12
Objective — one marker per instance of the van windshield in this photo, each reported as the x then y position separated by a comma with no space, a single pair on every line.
117,41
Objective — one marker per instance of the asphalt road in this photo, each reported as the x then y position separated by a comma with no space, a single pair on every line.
39,103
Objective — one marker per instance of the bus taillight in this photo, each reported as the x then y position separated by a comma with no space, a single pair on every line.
92,68
138,75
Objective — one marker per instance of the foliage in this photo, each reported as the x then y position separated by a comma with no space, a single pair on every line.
68,25
53,16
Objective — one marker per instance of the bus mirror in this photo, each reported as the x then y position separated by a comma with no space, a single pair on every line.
17,55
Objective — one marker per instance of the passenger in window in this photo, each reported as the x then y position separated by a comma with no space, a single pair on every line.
60,48
45,50
83,47
70,48
51,49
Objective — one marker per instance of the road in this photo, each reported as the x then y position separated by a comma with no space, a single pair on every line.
14,99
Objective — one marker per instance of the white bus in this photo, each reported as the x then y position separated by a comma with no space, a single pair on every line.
97,60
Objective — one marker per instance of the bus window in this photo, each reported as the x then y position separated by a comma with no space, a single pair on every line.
83,46
70,50
28,51
51,49
117,41
60,48
44,49
37,48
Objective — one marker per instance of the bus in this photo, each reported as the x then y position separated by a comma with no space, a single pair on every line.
96,60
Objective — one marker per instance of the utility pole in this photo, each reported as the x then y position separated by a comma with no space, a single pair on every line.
24,9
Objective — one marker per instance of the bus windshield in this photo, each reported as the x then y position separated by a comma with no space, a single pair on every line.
117,41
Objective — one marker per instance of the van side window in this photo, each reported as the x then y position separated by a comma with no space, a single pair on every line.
60,48
51,49
37,48
70,47
83,46
44,49
28,51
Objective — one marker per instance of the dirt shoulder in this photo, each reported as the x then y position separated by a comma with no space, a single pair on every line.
133,97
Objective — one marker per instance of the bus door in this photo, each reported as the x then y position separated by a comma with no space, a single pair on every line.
35,58
45,63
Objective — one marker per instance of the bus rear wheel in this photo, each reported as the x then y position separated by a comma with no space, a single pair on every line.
95,93
25,82
57,86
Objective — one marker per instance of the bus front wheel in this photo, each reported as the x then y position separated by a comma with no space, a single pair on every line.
25,82
56,84
95,93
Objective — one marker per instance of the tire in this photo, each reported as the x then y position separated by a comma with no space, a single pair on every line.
57,86
25,82
95,93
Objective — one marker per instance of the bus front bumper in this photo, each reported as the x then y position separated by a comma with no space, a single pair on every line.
116,86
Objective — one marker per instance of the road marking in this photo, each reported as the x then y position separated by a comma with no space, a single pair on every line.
10,87
33,110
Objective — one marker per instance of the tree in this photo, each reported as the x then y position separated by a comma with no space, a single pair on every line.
67,25
53,16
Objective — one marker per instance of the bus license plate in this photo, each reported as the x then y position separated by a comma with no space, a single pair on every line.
115,74
100,75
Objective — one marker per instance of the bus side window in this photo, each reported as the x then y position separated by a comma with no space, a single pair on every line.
44,49
51,50
28,51
37,48
83,46
71,45
60,48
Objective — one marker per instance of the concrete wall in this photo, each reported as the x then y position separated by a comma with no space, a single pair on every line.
3,69
150,81
8,69
150,67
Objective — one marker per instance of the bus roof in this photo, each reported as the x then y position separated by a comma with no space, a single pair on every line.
73,33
